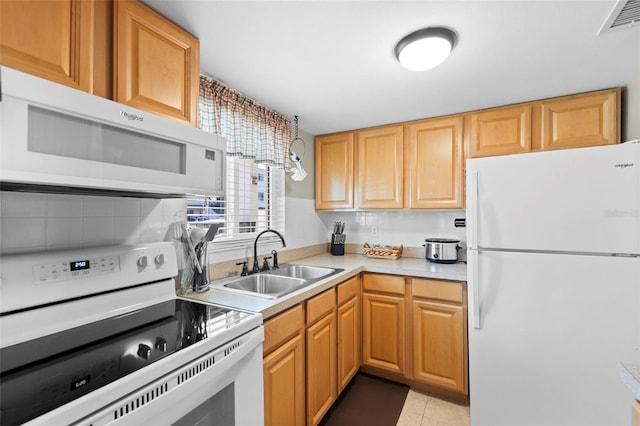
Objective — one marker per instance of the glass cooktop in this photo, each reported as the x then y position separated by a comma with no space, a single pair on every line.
40,375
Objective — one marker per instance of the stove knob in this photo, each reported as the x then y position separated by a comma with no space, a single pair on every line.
159,260
142,262
144,351
161,344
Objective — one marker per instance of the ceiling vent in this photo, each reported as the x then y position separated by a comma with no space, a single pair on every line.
625,14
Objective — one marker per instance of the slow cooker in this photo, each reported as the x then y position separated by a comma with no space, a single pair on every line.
442,250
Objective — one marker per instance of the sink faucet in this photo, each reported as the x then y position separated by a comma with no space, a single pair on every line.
256,267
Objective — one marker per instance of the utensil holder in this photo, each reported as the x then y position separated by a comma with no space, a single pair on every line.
337,244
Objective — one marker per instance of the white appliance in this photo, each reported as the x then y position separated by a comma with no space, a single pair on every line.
66,140
554,286
98,337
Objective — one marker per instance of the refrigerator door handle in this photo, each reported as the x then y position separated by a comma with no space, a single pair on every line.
473,287
472,209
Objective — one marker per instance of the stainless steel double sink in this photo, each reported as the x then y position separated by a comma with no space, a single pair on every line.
276,283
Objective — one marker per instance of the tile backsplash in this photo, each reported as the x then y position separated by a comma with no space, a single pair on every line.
38,221
409,228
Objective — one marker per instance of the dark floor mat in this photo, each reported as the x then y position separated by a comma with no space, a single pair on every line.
369,401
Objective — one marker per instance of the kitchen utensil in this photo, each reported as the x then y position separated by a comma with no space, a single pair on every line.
298,173
441,250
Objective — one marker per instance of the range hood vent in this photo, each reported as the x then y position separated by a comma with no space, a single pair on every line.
625,14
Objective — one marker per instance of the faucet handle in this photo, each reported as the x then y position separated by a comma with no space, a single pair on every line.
245,268
265,264
275,259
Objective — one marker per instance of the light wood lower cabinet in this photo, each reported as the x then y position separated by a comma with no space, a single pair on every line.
635,413
284,369
348,324
412,330
383,322
322,377
439,334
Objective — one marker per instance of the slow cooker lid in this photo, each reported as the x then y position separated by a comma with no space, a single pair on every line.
441,240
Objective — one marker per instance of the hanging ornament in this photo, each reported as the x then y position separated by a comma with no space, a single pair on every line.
298,173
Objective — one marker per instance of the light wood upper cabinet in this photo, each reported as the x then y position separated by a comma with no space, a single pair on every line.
589,119
49,39
500,131
435,161
334,161
380,168
156,63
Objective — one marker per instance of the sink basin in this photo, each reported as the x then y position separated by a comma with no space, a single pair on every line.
276,283
303,271
265,285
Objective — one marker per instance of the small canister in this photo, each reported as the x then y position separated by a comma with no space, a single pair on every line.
441,250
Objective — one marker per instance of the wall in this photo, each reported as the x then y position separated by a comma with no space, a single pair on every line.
631,109
36,221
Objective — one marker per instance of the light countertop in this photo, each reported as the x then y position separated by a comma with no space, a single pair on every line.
631,376
352,264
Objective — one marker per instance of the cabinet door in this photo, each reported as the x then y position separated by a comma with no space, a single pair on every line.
435,160
500,131
49,39
334,171
284,384
438,345
157,63
322,388
380,168
579,121
383,331
348,341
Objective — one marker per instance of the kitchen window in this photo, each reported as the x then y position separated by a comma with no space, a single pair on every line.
253,202
257,143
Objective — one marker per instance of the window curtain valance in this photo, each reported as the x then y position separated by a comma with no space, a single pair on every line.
252,130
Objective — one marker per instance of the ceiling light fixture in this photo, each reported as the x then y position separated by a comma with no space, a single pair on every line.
426,48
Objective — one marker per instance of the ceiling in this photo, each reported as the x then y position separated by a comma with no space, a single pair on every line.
332,62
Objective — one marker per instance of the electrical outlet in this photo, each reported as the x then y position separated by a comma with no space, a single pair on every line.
374,231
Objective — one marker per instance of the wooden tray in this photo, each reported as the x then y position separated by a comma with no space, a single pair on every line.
383,252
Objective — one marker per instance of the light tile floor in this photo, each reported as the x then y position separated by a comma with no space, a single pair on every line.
422,409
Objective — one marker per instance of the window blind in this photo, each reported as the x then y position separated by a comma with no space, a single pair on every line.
254,201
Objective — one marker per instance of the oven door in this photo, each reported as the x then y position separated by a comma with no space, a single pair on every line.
223,387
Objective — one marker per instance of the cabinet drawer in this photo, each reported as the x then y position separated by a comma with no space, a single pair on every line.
347,290
434,289
321,304
280,328
386,283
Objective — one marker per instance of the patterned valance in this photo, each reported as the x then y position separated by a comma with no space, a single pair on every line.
252,130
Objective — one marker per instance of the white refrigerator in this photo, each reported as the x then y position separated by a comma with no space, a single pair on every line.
554,286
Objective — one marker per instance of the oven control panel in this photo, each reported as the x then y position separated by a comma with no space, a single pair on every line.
40,278
76,268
